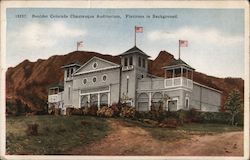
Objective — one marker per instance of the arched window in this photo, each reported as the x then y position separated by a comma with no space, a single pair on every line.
104,99
157,100
143,102
93,100
84,101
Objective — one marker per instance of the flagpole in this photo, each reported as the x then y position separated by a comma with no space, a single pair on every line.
179,50
76,46
135,35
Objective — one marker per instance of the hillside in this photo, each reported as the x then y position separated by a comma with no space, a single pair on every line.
27,82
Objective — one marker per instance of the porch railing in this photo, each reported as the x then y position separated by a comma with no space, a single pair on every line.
178,82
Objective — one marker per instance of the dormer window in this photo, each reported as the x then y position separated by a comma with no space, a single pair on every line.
130,60
125,61
71,71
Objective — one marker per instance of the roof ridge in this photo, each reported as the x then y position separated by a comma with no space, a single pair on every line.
134,49
178,62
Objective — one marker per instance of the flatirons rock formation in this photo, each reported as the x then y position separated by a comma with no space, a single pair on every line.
28,81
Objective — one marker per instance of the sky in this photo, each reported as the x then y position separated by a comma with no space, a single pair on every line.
215,36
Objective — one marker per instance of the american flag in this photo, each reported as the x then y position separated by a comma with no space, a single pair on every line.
183,43
80,44
138,29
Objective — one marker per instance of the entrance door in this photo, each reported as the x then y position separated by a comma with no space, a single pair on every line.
84,101
93,100
172,105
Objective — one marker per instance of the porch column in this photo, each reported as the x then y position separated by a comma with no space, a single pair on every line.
98,102
149,98
88,100
108,98
173,77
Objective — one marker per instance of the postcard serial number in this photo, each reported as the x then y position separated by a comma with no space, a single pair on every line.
21,16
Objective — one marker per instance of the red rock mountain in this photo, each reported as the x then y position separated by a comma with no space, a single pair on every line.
28,81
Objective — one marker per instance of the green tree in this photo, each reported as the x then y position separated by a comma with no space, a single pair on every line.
233,104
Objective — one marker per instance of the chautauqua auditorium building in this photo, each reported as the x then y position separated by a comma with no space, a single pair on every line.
100,82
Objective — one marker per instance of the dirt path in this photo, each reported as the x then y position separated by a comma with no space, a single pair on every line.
225,144
128,139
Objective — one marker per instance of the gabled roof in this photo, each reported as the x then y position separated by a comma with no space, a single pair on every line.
134,50
111,63
71,65
56,85
178,63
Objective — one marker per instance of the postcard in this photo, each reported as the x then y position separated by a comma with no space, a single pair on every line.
124,80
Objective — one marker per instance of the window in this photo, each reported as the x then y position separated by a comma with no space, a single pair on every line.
104,78
126,62
187,102
139,61
130,60
142,76
144,63
95,65
71,71
67,72
84,81
94,79
69,93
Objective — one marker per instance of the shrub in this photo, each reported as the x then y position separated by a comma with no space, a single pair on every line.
76,111
69,111
92,110
105,112
57,111
194,115
30,114
239,119
181,116
116,107
128,112
209,117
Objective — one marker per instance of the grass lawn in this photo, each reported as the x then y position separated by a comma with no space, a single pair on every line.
183,132
56,134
